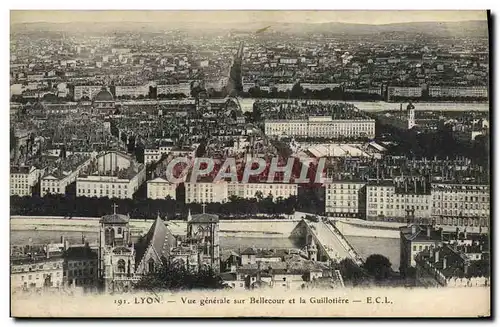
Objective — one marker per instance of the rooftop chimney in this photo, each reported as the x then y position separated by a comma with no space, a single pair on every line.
444,263
413,229
428,231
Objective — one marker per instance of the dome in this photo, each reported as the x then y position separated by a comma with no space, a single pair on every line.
103,95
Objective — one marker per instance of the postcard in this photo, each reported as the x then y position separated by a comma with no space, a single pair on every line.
250,164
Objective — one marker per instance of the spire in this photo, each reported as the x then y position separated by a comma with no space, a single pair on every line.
189,217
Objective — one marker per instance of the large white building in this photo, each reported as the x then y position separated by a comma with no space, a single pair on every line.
404,92
206,192
184,88
66,171
322,126
132,91
458,91
160,188
345,198
23,179
319,86
461,204
112,174
383,201
251,190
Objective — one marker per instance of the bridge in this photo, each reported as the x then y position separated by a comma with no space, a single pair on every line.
331,244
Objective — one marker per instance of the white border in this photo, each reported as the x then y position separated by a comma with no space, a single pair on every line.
190,4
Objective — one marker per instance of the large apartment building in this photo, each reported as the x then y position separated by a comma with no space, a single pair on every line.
345,199
112,174
461,204
321,126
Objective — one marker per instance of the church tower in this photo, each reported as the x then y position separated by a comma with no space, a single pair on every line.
312,251
116,253
203,231
410,111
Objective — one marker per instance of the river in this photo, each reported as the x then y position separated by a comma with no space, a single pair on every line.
226,242
247,105
366,246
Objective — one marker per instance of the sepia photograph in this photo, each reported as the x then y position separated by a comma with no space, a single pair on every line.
250,163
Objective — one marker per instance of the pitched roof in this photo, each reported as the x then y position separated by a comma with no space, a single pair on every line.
114,219
204,218
159,237
249,251
420,233
80,252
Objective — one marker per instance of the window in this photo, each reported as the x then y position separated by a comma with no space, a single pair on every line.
151,265
121,266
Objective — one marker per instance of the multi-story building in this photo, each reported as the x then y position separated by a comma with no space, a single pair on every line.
319,86
403,92
161,188
458,91
396,199
465,265
58,178
254,190
322,126
132,91
152,155
461,204
206,192
23,179
87,91
112,174
345,199
80,266
35,272
415,238
184,88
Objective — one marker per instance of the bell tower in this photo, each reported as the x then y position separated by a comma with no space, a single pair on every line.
410,111
116,253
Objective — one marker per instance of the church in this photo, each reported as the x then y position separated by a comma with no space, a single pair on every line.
123,262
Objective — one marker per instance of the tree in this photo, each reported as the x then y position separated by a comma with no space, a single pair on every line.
351,272
259,196
170,276
378,266
297,91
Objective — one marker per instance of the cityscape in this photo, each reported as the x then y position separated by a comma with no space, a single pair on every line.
244,156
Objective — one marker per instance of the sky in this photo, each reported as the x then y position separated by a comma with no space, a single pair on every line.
359,17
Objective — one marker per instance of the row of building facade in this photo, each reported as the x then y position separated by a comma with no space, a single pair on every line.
321,127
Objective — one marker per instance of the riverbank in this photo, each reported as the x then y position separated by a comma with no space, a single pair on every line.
373,106
230,228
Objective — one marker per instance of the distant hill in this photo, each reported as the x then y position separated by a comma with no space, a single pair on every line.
444,29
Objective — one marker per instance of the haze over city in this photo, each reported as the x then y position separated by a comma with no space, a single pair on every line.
357,144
